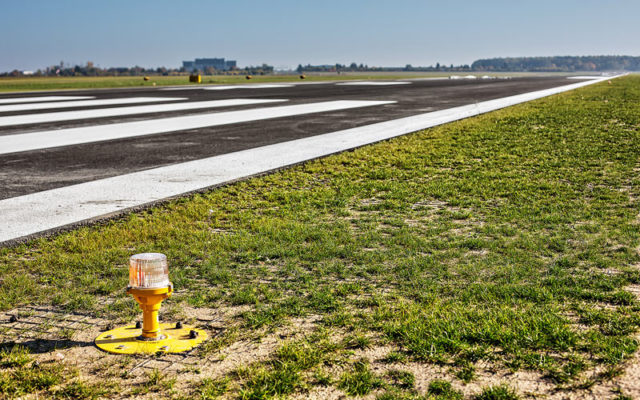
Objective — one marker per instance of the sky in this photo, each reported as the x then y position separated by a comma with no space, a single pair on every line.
284,33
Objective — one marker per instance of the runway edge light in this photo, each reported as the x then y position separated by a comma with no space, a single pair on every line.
149,285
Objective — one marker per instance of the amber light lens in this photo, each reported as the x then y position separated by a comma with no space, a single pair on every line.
148,270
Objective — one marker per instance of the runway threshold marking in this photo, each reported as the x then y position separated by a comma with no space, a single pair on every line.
371,83
98,133
43,98
85,103
122,111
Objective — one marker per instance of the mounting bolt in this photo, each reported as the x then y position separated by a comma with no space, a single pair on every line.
193,334
179,325
138,325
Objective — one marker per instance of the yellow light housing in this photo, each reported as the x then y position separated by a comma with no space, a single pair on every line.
149,285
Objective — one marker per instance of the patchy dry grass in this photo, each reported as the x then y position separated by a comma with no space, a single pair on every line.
495,257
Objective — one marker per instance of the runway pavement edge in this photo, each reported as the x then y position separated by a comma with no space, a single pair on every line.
48,212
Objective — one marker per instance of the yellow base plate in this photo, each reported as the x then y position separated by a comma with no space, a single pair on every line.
124,340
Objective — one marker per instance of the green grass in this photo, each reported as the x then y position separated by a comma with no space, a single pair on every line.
360,380
402,379
210,389
11,84
395,357
21,376
501,392
84,390
17,356
442,390
508,239
155,381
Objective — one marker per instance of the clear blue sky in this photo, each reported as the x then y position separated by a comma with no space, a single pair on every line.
283,33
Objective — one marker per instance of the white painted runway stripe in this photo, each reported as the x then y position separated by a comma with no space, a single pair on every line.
260,86
371,83
121,111
183,88
16,100
90,134
47,210
85,103
245,86
435,78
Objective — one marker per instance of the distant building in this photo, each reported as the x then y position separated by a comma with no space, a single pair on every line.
201,64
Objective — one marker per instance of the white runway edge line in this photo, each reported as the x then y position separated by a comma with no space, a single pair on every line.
43,98
44,211
85,103
121,111
90,134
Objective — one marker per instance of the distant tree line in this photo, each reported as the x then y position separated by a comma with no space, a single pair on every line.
91,70
263,69
511,64
558,64
354,67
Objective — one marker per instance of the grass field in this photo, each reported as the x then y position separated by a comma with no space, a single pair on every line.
491,258
78,82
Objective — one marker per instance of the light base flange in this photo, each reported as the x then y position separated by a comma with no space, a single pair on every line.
124,340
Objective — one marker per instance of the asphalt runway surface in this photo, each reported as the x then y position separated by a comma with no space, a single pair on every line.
32,171
56,139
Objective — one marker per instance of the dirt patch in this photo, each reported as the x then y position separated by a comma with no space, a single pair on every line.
323,393
629,382
528,384
55,336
